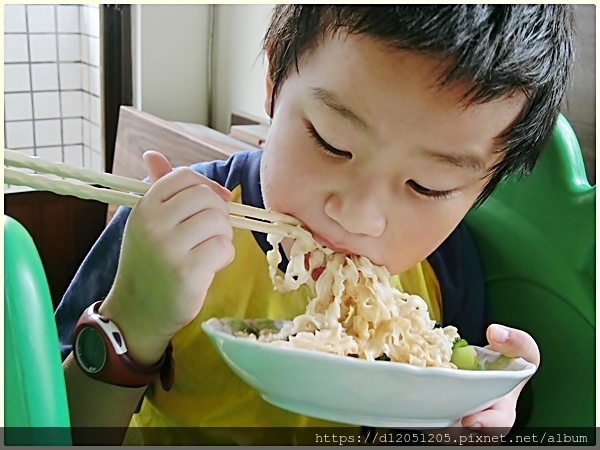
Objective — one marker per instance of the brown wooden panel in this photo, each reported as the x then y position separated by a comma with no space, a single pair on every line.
244,118
139,131
63,229
183,145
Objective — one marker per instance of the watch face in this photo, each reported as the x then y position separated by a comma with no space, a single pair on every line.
90,350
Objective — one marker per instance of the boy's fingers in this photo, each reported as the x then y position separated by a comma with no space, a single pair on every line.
221,191
490,428
500,415
513,343
157,164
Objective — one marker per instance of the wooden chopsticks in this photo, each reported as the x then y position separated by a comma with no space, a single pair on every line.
124,191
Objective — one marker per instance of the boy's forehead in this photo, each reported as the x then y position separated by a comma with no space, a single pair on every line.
379,59
359,76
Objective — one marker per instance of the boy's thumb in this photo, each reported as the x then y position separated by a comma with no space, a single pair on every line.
157,164
513,343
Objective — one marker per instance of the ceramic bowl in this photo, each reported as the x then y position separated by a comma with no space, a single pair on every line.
355,391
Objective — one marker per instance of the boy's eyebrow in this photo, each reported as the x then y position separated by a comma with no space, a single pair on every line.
464,161
332,101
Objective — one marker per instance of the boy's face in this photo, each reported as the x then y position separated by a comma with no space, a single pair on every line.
372,156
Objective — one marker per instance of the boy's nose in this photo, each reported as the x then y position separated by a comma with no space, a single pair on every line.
358,212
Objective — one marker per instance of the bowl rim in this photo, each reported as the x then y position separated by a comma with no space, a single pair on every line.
445,372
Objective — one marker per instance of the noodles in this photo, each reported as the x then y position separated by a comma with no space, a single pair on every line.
354,310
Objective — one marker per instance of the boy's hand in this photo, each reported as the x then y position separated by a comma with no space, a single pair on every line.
175,240
499,418
515,344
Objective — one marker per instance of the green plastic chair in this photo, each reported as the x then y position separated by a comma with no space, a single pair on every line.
35,403
536,238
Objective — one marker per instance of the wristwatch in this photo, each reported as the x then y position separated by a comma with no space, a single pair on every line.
100,351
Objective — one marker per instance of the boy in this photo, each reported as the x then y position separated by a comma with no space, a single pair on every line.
388,124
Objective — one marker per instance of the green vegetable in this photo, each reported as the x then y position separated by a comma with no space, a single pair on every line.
383,357
351,312
463,355
458,343
499,364
248,330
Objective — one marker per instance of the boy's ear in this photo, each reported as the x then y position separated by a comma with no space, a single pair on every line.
268,82
269,93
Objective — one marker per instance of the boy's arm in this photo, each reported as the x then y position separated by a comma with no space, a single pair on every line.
92,403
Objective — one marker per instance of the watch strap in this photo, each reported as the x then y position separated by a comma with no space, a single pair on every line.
119,369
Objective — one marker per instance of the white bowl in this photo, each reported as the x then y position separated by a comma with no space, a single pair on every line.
355,391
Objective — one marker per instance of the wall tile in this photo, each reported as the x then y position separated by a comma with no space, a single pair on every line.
52,65
46,105
72,103
17,106
96,138
16,78
95,109
94,51
70,75
68,18
95,81
85,105
87,157
94,18
74,155
42,47
47,132
15,48
86,133
85,48
14,19
69,47
19,134
26,151
44,76
51,153
97,163
84,19
41,18
73,131
85,77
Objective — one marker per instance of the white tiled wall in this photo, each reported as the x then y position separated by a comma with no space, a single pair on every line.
52,103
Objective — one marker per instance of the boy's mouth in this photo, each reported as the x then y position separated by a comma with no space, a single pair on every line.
330,245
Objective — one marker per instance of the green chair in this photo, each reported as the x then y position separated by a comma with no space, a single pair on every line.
35,403
536,238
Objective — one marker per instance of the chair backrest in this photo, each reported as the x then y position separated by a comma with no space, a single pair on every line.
35,404
536,238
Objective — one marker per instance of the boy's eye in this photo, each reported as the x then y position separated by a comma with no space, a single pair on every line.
328,149
430,192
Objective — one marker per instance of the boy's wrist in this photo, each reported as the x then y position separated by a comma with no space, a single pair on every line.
144,345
